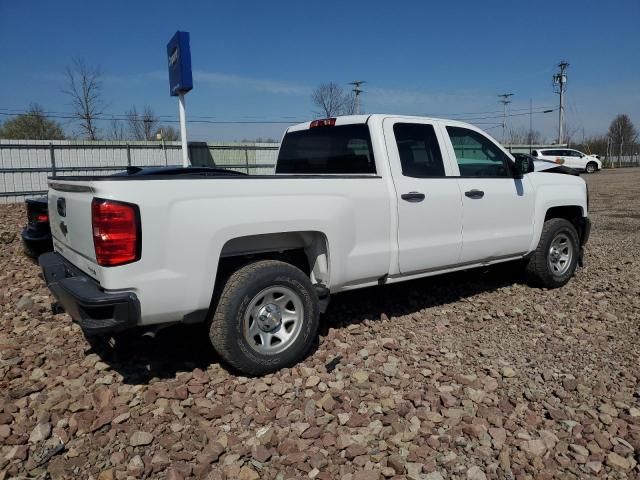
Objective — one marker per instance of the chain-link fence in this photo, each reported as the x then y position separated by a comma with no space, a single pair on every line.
624,155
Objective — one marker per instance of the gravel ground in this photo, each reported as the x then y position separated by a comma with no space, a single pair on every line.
467,376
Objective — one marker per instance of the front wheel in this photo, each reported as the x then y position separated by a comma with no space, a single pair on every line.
267,317
591,167
555,259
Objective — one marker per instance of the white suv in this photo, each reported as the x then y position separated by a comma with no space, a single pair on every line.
570,158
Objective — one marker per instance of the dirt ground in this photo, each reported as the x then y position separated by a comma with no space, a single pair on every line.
468,376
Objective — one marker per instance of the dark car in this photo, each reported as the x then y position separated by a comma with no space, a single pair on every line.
36,236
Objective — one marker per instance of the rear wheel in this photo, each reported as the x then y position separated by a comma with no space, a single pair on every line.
266,318
591,167
555,259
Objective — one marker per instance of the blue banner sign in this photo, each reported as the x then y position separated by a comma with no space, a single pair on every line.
179,56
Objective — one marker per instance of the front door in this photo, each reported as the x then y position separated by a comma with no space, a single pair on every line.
573,159
497,208
428,195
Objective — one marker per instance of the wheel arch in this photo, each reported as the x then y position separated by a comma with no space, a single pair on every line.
572,213
307,250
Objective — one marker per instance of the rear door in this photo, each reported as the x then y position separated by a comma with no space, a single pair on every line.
429,201
550,155
557,156
564,158
497,208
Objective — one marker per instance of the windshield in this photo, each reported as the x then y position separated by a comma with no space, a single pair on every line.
344,149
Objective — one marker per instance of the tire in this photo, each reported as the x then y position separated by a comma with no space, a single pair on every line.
266,318
591,167
545,267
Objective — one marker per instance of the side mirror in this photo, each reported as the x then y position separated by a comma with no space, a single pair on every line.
524,165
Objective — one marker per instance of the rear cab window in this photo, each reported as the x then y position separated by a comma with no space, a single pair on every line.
333,150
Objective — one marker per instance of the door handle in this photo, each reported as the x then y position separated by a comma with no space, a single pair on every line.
413,197
474,193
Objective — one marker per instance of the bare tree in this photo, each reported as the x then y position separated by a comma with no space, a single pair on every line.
84,87
330,99
168,133
116,130
570,134
622,131
524,136
596,145
350,104
142,126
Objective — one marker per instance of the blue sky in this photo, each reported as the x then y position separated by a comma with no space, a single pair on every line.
260,60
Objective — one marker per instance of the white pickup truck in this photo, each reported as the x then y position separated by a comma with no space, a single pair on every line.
355,201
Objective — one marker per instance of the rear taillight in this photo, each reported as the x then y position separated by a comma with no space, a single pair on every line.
325,122
37,214
116,232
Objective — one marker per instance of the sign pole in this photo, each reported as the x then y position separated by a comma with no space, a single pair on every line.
180,82
183,130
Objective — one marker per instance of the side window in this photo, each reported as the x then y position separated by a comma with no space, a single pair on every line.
477,156
420,155
575,153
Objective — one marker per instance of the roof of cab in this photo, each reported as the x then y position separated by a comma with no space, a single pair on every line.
355,119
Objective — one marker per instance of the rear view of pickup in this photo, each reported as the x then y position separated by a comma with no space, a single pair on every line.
355,201
115,241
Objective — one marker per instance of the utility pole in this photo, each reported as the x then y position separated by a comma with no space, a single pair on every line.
357,91
560,87
505,101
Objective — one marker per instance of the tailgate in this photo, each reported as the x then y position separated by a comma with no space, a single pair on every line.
70,220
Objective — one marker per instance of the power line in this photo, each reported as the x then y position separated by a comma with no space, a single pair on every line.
121,118
20,111
509,115
124,119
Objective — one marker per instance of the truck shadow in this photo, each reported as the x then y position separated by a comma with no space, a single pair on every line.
139,358
182,348
410,297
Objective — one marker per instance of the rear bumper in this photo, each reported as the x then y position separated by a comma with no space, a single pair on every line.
95,310
36,241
